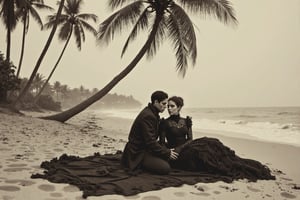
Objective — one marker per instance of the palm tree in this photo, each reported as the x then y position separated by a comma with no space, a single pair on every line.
9,19
71,22
29,8
64,90
169,19
44,51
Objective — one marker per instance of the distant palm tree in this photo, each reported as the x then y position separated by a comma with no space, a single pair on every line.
64,90
24,11
168,20
57,88
40,59
37,83
71,22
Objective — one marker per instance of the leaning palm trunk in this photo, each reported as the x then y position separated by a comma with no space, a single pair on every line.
38,64
54,68
23,46
65,115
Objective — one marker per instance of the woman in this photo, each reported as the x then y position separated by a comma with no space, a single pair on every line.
204,154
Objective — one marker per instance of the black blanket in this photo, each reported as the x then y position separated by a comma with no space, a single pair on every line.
102,175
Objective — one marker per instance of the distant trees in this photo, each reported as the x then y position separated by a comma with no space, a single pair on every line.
117,101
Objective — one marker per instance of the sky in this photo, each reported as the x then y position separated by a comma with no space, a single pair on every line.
253,64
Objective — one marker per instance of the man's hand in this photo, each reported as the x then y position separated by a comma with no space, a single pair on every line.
173,154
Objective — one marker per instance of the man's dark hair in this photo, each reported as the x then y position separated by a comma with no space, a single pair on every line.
159,96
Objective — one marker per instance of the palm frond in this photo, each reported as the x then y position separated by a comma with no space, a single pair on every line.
8,14
42,6
177,37
36,16
77,34
73,6
87,16
187,30
51,20
141,23
119,20
64,31
158,39
88,27
221,9
81,31
113,4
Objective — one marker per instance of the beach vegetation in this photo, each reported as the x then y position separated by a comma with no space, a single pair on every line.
162,19
8,80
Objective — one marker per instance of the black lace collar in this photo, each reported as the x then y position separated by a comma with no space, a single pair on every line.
175,118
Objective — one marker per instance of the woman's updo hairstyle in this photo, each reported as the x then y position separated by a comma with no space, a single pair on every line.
177,100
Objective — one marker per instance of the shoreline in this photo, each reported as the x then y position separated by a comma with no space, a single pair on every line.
27,141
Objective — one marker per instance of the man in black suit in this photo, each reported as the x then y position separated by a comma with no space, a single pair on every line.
142,150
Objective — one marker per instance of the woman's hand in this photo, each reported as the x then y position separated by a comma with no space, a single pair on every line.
173,154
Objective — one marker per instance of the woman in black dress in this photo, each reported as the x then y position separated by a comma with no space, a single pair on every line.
204,154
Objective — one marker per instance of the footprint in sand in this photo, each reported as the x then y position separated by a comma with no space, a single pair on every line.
179,194
56,194
228,188
71,188
46,187
287,195
9,188
11,160
8,197
58,150
21,182
17,165
286,179
16,169
217,192
79,198
151,198
50,199
204,194
253,189
133,197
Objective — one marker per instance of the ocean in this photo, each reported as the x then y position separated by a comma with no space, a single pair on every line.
273,124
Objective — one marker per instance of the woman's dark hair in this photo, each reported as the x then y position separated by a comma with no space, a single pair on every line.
159,96
177,100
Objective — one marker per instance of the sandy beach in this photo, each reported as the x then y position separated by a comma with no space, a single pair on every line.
27,141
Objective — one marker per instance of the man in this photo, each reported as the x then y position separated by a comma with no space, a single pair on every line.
142,149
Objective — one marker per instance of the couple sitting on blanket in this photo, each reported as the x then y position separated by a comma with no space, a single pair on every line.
143,149
158,145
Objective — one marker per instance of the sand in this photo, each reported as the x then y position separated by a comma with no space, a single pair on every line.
26,141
